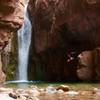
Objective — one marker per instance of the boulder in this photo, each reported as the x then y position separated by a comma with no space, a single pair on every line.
88,66
85,66
65,88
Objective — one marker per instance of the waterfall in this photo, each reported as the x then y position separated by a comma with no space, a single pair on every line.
24,40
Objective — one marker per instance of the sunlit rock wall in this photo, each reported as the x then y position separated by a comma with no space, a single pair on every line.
11,19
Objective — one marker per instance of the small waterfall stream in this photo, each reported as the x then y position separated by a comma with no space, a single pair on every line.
24,40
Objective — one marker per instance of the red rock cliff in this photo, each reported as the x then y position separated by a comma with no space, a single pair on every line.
11,18
79,18
59,28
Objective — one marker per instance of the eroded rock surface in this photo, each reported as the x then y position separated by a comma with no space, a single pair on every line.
85,66
88,67
61,28
11,19
79,18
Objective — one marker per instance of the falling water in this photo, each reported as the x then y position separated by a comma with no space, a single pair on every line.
24,39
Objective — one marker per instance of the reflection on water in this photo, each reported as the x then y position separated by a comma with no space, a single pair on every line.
22,83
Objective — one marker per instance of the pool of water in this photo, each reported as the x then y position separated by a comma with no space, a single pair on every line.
41,84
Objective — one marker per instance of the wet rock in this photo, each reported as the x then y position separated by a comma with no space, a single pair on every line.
22,98
51,90
13,95
11,13
60,91
5,90
34,91
65,88
20,91
86,93
34,98
96,91
72,93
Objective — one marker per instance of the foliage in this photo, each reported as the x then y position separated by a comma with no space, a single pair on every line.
11,68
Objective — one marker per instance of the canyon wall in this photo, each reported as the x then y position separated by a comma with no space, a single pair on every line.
62,29
11,19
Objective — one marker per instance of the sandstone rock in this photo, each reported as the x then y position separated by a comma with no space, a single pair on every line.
35,98
63,87
11,19
5,57
22,98
96,54
88,68
80,17
2,74
86,93
33,92
60,91
20,91
5,90
58,27
72,93
51,90
85,67
85,74
13,95
96,91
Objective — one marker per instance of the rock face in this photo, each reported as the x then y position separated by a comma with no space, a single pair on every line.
53,21
96,55
88,67
11,19
62,28
85,66
2,75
